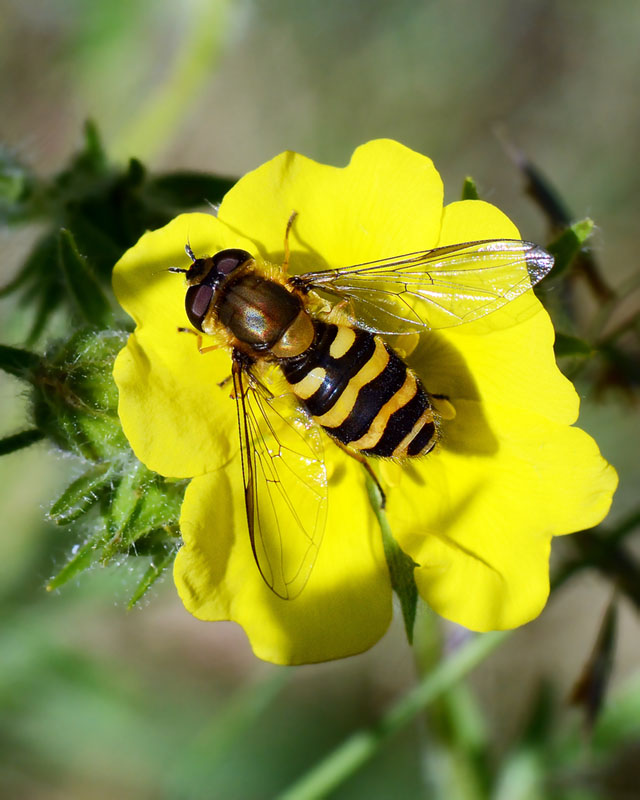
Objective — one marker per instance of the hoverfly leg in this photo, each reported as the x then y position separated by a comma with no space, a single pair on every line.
366,464
342,312
202,350
287,252
443,407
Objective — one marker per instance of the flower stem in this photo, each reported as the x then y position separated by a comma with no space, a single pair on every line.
365,743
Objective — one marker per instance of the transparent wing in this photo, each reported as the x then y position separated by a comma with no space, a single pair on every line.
285,483
436,288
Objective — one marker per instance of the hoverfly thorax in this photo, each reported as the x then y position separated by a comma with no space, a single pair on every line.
229,291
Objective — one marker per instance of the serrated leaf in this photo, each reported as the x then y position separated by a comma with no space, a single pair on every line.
83,287
469,189
566,345
159,562
19,440
568,244
83,493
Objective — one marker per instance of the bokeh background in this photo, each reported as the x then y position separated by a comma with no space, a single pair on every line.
97,702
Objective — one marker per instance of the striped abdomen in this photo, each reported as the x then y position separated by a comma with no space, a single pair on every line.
362,393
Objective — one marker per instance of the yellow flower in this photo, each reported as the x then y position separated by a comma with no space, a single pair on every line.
477,514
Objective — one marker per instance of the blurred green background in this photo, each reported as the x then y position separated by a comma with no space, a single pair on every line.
97,702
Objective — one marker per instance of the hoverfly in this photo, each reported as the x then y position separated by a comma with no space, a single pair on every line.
339,374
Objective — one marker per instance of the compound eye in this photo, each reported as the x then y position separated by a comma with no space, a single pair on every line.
197,302
227,260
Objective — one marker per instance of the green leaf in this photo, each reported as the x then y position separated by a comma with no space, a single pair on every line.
49,297
82,285
159,562
400,565
469,189
188,189
566,345
21,363
568,244
94,153
40,266
78,498
19,440
590,689
541,190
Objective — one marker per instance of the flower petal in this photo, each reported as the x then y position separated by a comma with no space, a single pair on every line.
480,524
346,605
178,421
387,201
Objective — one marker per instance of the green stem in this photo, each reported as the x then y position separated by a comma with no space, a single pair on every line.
364,744
19,440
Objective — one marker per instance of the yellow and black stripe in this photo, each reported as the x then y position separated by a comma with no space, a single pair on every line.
362,393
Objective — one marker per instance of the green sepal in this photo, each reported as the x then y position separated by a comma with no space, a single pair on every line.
568,244
469,189
121,505
81,495
83,288
188,189
83,558
161,559
566,345
400,565
141,504
19,440
75,399
21,363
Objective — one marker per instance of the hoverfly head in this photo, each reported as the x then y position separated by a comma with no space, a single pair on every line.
204,276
